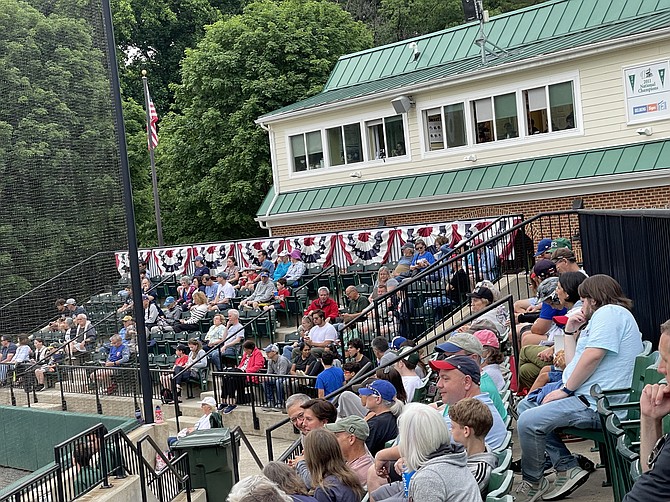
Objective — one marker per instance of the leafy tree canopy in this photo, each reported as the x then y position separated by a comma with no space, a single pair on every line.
214,165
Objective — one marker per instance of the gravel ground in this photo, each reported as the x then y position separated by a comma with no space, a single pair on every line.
8,476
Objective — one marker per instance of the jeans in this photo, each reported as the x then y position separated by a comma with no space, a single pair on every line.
270,386
536,426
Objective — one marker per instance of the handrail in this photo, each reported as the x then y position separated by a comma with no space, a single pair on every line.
217,347
169,468
358,377
508,299
441,263
238,432
54,278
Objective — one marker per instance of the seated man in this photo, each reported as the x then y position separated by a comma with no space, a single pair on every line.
7,353
351,433
224,294
118,354
324,303
331,378
83,337
654,446
604,354
357,304
263,294
232,343
200,267
274,387
402,269
321,334
379,398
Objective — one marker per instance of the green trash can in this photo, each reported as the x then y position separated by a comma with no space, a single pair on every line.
210,458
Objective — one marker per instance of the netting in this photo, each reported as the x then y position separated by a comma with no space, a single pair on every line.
61,210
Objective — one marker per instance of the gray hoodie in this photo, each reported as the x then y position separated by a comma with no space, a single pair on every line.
444,478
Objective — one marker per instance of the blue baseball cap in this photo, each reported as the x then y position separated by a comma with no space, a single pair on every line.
543,246
381,388
169,301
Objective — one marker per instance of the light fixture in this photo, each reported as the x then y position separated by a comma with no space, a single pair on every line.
470,158
415,48
645,131
402,104
577,203
356,174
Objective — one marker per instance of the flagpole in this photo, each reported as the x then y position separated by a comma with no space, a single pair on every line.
154,176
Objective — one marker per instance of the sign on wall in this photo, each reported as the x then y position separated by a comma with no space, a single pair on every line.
647,92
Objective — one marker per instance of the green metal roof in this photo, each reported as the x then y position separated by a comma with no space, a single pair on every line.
641,157
541,29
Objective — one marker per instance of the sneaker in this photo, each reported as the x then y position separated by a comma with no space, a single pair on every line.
222,406
567,482
530,492
267,407
229,409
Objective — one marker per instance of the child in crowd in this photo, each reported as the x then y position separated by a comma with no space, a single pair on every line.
471,421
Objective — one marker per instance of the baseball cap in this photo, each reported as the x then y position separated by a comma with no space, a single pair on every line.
353,424
543,246
487,337
223,275
199,258
284,253
183,348
464,364
70,301
408,245
412,358
544,269
272,348
563,253
264,274
392,284
169,301
461,341
127,318
381,388
481,292
210,401
397,342
546,289
481,323
561,242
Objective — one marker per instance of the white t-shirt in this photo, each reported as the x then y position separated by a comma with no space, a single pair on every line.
321,334
410,383
225,291
203,423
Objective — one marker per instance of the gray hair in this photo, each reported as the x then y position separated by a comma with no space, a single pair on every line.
297,399
380,344
416,445
115,338
234,312
257,488
324,288
82,316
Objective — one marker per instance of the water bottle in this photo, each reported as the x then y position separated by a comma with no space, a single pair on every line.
138,416
158,418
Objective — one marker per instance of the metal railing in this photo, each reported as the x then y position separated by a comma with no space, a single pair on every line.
237,435
420,348
166,484
257,389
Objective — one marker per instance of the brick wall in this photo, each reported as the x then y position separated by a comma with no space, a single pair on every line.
647,198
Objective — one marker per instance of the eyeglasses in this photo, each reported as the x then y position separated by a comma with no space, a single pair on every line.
420,247
300,416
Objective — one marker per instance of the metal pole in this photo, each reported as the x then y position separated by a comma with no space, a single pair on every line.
154,176
143,354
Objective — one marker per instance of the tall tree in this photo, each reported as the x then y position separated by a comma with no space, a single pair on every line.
215,164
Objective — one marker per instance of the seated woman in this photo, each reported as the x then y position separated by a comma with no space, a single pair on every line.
232,270
435,469
196,354
332,479
422,258
303,364
233,387
210,419
185,292
198,312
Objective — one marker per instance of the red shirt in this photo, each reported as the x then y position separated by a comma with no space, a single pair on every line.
329,308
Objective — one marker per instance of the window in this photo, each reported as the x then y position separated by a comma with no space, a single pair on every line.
558,116
386,137
507,125
483,118
307,151
452,129
344,145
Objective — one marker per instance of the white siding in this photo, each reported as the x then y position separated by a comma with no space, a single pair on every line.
599,84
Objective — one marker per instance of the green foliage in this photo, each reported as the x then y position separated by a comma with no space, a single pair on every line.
58,160
214,165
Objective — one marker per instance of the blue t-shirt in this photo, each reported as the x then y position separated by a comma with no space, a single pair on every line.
330,380
614,329
267,264
426,255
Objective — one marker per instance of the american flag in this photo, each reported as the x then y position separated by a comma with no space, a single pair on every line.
152,135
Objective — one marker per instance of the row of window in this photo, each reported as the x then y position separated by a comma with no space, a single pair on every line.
544,109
